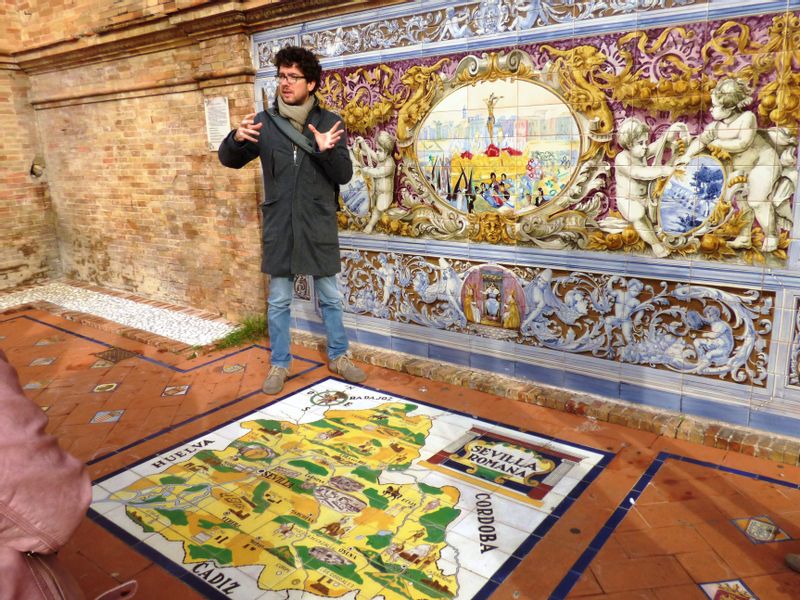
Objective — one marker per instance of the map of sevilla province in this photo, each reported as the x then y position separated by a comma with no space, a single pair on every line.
341,491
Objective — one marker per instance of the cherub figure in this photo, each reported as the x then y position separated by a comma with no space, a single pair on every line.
633,175
454,24
386,274
714,347
379,166
734,131
626,302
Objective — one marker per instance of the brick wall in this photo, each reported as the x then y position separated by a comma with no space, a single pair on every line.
27,241
47,22
142,204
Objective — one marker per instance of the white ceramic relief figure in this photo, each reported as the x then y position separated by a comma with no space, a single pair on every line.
378,166
762,177
434,284
633,177
625,310
455,24
713,347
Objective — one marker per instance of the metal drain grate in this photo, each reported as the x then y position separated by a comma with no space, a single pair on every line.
115,355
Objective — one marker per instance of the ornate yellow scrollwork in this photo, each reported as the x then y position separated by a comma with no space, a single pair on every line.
496,65
577,69
359,114
683,92
779,100
423,84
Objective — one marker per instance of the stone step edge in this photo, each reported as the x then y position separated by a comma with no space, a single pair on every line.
665,423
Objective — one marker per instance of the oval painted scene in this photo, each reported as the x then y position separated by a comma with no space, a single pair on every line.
505,145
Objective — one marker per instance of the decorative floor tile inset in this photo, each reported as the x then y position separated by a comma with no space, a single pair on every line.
102,364
761,530
105,387
237,368
42,362
107,416
734,589
175,390
350,499
49,341
115,355
35,385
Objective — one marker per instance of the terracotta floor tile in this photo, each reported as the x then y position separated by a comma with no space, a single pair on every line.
108,552
157,584
704,566
91,578
680,592
640,574
627,595
663,540
777,586
744,557
587,586
680,513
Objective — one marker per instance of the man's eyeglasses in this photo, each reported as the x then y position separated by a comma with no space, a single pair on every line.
290,77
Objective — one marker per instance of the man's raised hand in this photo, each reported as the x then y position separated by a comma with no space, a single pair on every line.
248,130
327,140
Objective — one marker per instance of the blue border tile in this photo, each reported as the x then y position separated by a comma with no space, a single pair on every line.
487,362
417,348
647,396
538,374
730,413
448,354
592,385
371,338
782,424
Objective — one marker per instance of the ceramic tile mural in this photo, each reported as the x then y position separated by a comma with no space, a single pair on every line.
610,180
677,326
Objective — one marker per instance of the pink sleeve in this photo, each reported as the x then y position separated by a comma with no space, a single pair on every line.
44,492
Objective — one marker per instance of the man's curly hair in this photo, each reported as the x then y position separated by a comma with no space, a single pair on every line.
305,60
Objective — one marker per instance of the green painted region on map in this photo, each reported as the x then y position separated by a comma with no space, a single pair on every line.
305,503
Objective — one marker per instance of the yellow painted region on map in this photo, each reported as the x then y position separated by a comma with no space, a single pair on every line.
305,503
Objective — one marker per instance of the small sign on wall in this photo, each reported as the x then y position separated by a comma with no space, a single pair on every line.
218,122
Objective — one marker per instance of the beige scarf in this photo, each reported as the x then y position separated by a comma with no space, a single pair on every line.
297,114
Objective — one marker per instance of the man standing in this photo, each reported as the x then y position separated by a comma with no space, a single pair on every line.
304,160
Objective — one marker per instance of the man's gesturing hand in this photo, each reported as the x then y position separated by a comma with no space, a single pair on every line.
326,141
248,130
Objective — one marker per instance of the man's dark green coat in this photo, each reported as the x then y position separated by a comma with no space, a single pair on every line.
300,235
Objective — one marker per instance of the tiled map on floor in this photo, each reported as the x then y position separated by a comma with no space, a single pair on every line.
341,491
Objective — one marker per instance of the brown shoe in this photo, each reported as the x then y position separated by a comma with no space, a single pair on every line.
793,560
275,380
344,366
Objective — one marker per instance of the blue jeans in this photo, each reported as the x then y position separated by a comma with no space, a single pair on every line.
278,314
